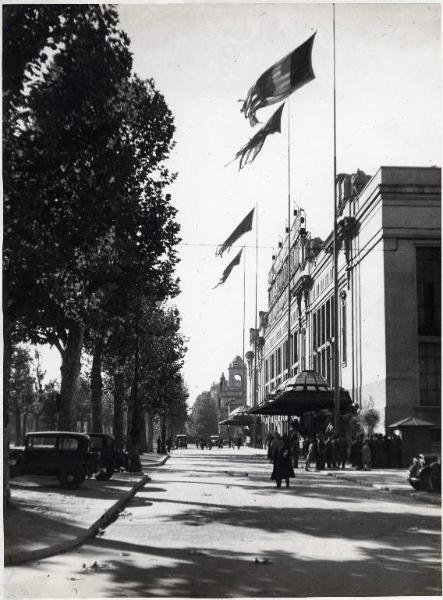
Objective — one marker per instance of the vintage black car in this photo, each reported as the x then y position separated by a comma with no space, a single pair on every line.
111,459
425,473
181,441
64,454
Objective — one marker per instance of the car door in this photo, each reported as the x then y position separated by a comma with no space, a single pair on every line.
40,455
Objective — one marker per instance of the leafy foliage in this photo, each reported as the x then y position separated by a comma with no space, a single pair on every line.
204,416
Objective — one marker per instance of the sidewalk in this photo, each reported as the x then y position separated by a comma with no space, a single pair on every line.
46,519
390,480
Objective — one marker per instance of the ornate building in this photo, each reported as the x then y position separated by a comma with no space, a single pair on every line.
231,391
389,325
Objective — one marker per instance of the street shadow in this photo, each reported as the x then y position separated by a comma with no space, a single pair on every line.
109,490
25,529
204,572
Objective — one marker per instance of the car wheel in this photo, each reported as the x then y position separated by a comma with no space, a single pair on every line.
71,478
106,472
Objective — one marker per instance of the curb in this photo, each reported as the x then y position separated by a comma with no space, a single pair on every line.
422,496
103,521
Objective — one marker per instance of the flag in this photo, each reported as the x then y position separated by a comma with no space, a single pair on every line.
244,227
255,144
229,268
280,80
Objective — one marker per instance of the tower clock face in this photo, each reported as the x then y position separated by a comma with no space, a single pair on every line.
237,379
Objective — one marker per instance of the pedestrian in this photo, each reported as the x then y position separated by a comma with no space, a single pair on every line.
396,451
311,455
281,459
159,445
295,448
335,451
355,457
168,444
239,442
342,452
269,439
320,453
387,451
366,456
328,452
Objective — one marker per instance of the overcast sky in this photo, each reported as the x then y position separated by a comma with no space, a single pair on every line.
204,58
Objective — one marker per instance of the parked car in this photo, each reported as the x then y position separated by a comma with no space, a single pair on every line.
63,454
425,473
110,458
181,441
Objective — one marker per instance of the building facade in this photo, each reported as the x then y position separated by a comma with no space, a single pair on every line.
389,326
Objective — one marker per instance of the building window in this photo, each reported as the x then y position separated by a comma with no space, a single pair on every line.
322,340
295,348
429,291
429,357
278,361
343,332
272,367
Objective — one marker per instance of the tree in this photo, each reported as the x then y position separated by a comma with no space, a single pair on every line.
89,142
60,144
204,416
21,390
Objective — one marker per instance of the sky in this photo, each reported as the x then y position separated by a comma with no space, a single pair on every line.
204,58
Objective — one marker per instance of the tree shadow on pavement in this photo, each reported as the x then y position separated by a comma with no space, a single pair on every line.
350,524
205,572
25,529
93,489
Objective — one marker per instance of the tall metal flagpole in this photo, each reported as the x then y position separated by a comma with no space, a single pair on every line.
254,401
288,348
244,312
335,252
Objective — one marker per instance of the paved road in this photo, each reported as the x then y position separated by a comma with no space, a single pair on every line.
212,524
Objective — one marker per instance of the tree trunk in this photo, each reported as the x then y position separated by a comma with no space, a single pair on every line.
150,433
70,371
97,387
18,424
163,436
143,441
119,391
25,428
7,361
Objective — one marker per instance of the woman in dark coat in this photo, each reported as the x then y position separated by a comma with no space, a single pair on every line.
281,458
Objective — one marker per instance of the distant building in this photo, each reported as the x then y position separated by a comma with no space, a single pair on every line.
232,391
390,299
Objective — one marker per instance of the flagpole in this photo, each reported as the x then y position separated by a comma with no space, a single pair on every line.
335,253
288,349
244,312
254,401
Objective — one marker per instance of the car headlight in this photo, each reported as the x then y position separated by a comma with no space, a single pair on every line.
12,462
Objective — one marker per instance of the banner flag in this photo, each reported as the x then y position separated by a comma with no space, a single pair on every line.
244,227
229,268
279,81
255,144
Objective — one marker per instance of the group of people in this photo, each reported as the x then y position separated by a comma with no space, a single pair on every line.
332,452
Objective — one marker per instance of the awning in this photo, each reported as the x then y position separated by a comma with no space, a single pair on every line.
240,416
410,422
306,391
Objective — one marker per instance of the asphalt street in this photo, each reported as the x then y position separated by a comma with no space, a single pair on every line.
212,524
